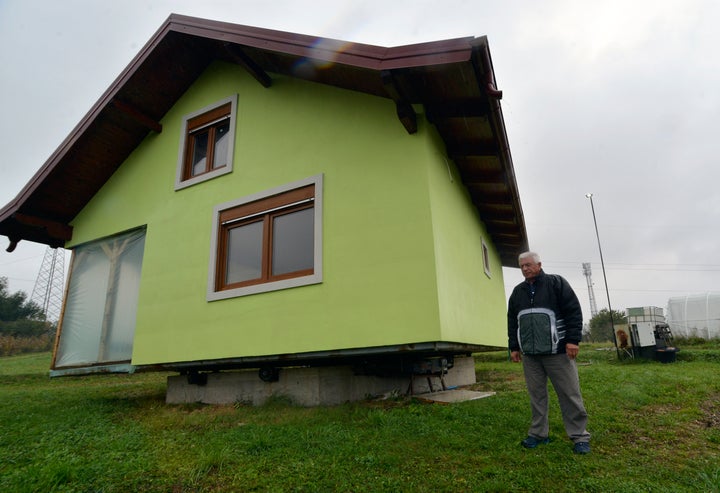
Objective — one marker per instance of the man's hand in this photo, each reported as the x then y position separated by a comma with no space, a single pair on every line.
572,350
515,357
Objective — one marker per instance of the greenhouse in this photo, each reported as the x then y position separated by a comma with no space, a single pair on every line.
695,315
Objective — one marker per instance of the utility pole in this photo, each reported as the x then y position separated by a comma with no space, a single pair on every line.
602,264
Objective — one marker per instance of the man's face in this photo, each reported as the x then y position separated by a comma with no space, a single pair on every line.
530,269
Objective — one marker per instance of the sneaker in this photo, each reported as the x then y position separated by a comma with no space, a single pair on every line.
532,442
582,448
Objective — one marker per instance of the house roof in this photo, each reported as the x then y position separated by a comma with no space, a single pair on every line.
452,79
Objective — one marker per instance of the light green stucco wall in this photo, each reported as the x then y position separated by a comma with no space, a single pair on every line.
381,284
471,303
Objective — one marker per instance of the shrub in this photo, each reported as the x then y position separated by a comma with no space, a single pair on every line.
11,345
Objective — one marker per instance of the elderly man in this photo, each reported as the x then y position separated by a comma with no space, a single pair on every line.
544,332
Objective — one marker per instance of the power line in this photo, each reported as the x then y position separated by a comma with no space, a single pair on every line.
20,260
635,265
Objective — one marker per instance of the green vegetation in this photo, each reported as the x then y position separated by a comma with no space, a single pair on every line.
23,327
656,427
601,325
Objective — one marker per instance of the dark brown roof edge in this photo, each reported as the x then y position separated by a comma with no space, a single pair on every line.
498,121
356,54
327,49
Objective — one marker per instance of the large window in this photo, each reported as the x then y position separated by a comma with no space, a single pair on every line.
98,323
267,241
206,144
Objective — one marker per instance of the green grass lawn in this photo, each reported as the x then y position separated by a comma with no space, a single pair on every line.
656,427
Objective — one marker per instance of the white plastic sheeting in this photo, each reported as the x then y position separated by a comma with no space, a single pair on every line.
98,323
696,315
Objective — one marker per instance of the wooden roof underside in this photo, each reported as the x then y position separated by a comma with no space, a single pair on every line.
452,79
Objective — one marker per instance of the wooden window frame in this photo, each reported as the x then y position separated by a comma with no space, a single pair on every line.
265,206
209,118
264,211
209,122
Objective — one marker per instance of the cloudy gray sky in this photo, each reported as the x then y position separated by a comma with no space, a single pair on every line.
617,98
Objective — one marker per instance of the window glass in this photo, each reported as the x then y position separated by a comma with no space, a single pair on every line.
244,253
221,145
200,149
293,242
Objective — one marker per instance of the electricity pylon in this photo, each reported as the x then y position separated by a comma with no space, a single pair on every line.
588,274
49,285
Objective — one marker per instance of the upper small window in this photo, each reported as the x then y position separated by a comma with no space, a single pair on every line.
206,144
267,241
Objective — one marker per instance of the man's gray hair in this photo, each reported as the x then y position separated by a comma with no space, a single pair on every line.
535,256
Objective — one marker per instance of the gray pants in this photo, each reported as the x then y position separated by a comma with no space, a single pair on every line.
564,377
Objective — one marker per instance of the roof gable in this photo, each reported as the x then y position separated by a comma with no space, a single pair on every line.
453,79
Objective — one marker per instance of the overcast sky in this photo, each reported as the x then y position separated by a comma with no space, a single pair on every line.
617,98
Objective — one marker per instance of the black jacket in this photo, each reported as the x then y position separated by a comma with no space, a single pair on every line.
553,294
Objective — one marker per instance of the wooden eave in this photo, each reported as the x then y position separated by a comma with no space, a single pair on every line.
452,79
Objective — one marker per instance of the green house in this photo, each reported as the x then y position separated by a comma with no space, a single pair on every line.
247,198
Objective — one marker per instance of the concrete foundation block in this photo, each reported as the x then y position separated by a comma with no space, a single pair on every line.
314,386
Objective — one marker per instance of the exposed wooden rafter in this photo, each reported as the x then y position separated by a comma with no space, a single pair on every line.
498,215
138,116
478,178
504,229
58,233
458,109
240,57
470,149
56,229
405,111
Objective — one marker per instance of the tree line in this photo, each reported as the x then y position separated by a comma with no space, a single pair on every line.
601,325
23,323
